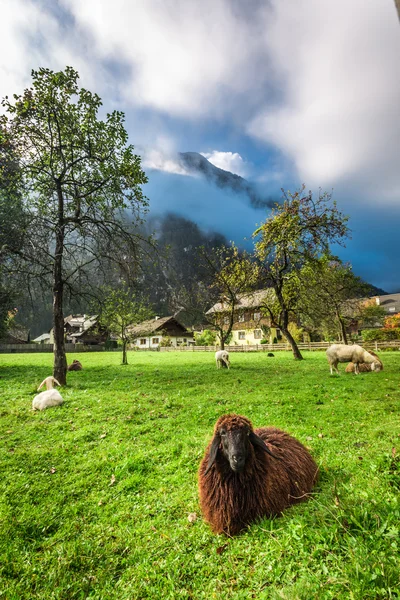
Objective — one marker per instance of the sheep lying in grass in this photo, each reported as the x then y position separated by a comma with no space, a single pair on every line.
222,359
50,397
366,367
356,354
75,366
247,474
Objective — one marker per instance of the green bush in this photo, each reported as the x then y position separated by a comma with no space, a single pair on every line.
207,338
380,335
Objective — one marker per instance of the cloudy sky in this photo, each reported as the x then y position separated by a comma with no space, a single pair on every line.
282,92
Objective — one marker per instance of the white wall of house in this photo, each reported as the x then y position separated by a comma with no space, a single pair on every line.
247,336
153,341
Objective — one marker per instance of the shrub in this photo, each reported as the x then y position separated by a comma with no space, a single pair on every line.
206,338
380,335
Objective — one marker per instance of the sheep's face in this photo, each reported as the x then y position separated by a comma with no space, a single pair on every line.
233,436
235,446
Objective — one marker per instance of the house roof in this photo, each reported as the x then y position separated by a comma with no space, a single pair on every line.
17,334
250,300
40,338
390,302
156,325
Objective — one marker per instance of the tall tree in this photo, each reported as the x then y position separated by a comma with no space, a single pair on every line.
78,175
119,310
213,299
297,232
331,294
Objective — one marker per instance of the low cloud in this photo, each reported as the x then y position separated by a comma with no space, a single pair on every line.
337,117
229,161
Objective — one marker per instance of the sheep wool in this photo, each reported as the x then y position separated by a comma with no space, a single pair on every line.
248,474
338,353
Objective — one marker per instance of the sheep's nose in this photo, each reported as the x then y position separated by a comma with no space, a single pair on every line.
238,458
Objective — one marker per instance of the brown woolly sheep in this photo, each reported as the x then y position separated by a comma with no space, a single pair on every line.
248,474
365,367
75,366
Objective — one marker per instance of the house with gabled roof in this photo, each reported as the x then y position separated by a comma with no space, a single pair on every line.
250,325
150,334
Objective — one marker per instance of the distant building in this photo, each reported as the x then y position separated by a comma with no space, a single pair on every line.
82,329
16,334
150,334
389,302
42,339
250,325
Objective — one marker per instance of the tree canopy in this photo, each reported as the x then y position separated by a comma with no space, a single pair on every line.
77,176
296,233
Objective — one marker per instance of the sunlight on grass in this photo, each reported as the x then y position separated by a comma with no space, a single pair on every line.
96,493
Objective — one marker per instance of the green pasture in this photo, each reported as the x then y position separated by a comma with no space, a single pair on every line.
96,494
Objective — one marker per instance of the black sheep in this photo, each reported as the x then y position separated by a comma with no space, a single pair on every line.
247,474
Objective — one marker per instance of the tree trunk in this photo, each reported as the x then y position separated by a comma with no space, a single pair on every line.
124,354
60,359
284,324
296,352
222,340
343,330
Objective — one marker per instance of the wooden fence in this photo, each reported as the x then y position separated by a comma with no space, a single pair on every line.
25,348
394,345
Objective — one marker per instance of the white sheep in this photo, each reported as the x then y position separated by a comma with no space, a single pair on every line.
356,354
50,397
222,358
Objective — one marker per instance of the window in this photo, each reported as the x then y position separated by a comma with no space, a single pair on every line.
392,308
185,340
241,318
256,316
257,334
155,340
241,335
142,341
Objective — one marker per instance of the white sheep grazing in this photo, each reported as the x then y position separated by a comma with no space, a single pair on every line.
222,358
355,354
50,397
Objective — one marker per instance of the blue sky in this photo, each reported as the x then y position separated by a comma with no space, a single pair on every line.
282,92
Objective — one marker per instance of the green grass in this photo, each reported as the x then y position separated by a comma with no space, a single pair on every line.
95,494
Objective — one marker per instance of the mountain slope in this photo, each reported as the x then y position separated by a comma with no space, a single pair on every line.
197,164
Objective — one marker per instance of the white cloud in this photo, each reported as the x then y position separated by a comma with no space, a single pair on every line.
338,72
153,158
229,161
186,57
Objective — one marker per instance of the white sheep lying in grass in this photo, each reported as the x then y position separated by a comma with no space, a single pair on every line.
50,397
222,358
355,354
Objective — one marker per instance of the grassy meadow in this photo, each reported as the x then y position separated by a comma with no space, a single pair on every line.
96,494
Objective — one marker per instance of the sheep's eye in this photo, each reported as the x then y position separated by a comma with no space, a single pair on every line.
222,432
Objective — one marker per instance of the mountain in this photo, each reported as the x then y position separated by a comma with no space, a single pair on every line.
196,163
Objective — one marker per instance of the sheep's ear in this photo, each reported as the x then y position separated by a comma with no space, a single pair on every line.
41,385
57,382
259,442
213,452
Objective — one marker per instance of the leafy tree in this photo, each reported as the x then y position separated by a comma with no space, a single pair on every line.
331,295
214,299
371,313
78,175
206,338
392,322
296,233
119,311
